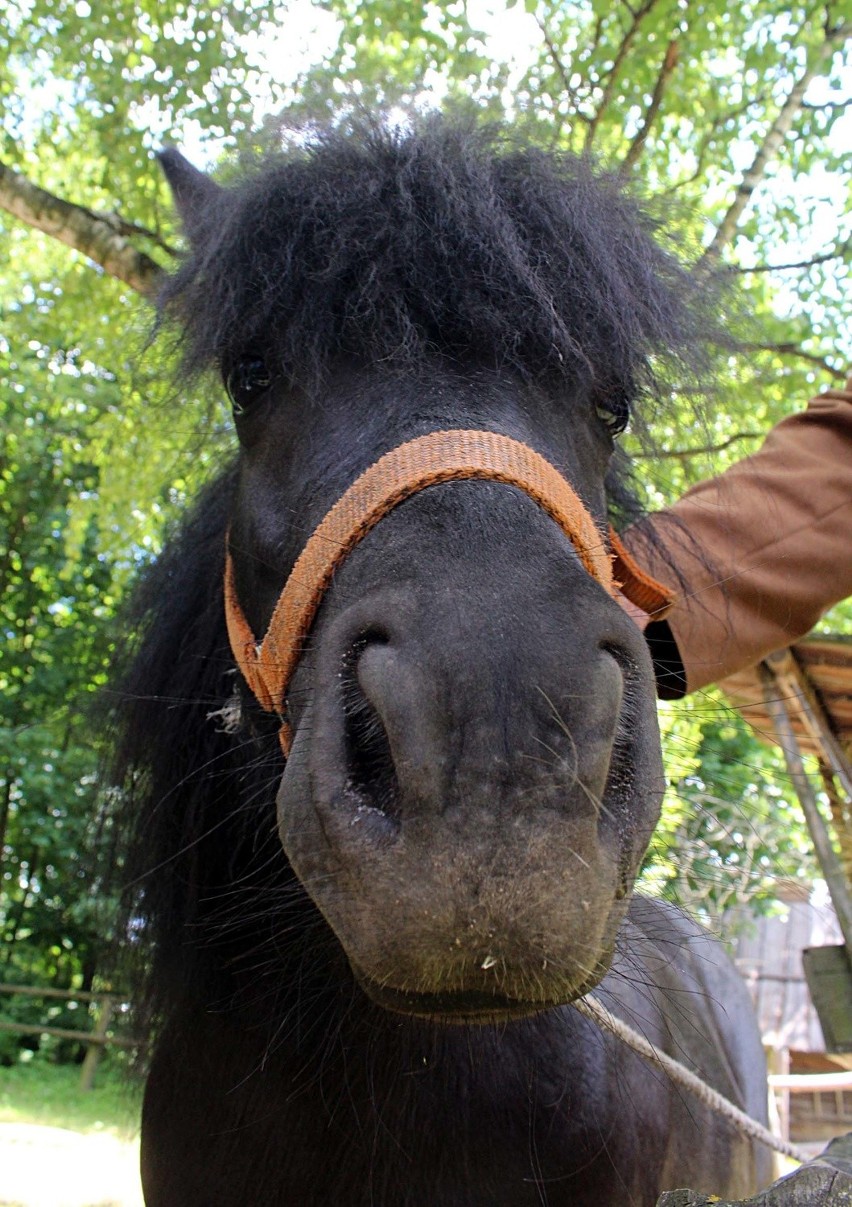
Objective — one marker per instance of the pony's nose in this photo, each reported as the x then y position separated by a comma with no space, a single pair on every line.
367,752
390,747
408,725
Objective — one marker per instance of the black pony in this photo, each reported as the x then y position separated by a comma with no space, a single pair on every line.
360,960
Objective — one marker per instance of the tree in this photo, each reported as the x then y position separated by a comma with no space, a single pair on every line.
731,824
84,488
734,117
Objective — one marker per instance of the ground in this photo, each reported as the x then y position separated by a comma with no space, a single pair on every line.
60,1147
54,1167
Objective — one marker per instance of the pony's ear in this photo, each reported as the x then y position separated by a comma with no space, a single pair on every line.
193,192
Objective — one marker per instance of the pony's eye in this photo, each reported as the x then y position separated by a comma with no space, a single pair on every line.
615,413
246,381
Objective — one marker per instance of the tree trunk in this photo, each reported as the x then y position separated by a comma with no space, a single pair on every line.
5,809
98,236
19,908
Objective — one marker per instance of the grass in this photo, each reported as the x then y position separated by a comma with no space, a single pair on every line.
49,1094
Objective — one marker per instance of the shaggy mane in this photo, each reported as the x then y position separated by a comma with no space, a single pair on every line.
390,246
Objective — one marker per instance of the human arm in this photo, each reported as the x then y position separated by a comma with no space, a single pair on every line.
756,555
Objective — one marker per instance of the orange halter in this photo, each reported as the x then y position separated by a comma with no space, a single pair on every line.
437,457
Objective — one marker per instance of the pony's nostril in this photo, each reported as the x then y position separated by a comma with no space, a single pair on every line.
371,774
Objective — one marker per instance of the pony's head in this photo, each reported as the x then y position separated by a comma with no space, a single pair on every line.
473,767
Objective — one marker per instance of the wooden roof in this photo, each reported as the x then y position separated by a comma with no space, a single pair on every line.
821,664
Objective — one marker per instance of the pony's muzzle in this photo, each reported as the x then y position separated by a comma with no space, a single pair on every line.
407,727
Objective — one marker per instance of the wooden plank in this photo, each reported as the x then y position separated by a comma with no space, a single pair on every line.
83,1037
820,1083
66,994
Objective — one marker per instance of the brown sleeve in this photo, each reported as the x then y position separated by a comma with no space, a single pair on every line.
759,553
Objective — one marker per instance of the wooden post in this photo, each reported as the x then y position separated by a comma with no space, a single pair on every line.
841,815
95,1049
778,1062
777,705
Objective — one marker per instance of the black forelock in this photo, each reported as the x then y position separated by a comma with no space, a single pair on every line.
386,247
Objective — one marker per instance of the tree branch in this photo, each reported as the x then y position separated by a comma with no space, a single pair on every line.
560,68
790,349
637,16
730,115
100,237
596,36
823,259
124,227
665,74
706,142
683,454
773,140
700,160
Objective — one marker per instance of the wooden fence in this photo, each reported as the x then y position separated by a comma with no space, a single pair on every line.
95,1040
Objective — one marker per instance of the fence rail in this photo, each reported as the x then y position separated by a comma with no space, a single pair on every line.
810,1083
71,995
95,1040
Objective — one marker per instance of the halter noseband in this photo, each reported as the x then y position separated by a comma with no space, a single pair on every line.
437,457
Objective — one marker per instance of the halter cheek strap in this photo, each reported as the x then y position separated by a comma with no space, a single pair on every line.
435,458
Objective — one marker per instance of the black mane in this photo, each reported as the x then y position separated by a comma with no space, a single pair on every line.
396,245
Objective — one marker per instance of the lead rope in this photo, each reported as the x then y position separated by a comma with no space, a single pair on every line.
591,1008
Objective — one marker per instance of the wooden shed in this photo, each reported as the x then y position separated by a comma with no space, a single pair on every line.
768,954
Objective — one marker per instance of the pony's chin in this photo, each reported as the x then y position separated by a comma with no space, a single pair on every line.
470,1007
481,1005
